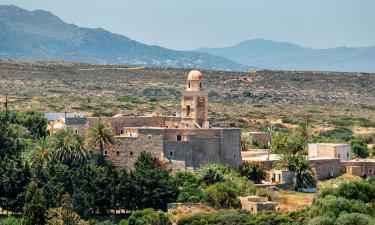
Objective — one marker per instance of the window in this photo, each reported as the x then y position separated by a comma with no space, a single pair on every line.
370,171
189,85
76,131
338,155
105,152
279,177
118,153
234,156
188,110
149,137
179,138
347,155
171,153
121,131
200,85
131,153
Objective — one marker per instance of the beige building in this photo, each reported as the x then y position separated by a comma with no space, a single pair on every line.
340,151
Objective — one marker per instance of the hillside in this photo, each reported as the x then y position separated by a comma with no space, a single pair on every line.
40,35
249,100
266,54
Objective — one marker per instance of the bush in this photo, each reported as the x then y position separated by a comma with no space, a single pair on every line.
222,194
212,173
284,143
253,171
338,133
11,221
359,148
354,219
321,220
148,217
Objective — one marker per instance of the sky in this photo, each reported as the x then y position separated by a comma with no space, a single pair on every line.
192,24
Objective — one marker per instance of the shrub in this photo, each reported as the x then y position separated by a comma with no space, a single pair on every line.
212,173
359,148
354,219
11,221
222,194
148,217
253,171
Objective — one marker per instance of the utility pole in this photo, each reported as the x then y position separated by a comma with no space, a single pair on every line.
6,108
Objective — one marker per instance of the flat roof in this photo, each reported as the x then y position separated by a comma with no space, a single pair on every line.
330,144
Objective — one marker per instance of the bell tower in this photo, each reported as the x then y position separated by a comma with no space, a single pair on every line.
194,105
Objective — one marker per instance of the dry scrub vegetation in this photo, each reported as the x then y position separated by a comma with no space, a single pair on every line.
244,99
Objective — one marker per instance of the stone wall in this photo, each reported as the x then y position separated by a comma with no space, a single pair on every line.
326,168
367,167
126,150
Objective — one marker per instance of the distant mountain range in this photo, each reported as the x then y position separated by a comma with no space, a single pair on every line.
266,54
40,35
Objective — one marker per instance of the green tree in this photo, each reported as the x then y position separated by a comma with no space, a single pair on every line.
125,191
154,185
34,210
148,217
35,123
100,136
41,151
65,214
304,174
285,143
14,177
212,173
70,148
359,148
253,171
222,194
354,219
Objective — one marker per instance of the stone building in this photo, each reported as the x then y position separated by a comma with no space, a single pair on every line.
185,141
255,204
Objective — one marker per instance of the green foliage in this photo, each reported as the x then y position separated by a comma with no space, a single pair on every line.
359,148
212,173
130,99
243,218
154,186
100,136
189,190
14,177
339,133
148,217
253,171
11,221
64,214
222,194
354,219
34,210
355,190
285,143
69,148
321,220
304,174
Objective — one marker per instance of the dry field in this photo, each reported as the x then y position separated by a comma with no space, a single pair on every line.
244,99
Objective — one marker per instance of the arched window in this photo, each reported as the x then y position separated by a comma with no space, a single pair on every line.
188,110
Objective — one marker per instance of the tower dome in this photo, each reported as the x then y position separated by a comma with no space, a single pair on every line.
195,75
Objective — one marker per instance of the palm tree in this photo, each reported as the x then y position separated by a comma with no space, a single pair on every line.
304,174
70,148
101,135
42,150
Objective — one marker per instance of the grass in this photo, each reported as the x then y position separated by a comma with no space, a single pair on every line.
290,201
335,182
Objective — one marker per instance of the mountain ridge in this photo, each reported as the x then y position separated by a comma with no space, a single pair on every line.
41,35
268,54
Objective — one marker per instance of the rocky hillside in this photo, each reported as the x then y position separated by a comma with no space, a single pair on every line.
40,35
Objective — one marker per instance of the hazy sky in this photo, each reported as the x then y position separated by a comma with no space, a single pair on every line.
190,24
